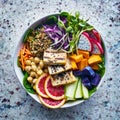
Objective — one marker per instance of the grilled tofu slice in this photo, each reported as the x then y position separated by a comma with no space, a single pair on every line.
55,69
63,78
53,57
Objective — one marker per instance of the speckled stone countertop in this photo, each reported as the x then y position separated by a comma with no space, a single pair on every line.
16,16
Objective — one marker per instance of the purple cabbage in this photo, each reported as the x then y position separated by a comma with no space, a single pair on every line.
60,39
63,19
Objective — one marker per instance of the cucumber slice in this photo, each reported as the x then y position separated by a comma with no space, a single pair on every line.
85,92
79,90
70,90
70,99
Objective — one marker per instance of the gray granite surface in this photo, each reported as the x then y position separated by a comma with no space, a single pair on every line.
16,16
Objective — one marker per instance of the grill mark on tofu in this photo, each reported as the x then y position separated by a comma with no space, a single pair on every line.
55,69
52,58
63,78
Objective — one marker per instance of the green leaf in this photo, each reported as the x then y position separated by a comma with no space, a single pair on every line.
74,20
27,35
25,82
51,20
64,14
69,29
82,24
89,28
100,66
31,91
27,85
101,69
61,24
92,91
72,45
103,59
77,14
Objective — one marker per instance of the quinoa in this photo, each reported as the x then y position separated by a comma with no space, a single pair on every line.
38,42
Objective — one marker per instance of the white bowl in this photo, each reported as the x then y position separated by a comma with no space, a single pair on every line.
20,74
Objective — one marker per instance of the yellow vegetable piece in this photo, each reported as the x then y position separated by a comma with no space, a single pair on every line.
76,58
74,66
83,64
95,66
72,56
94,59
84,53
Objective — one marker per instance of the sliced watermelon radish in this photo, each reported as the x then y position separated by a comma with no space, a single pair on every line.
54,92
40,85
84,42
50,103
97,48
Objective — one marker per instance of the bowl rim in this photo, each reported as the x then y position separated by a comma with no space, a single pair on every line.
18,69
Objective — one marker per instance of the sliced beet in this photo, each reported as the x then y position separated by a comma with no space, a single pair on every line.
85,43
88,71
86,82
77,73
95,81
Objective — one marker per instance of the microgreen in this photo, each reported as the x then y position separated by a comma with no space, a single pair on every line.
74,26
61,24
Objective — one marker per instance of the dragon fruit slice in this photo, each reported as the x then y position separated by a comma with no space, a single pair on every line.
97,35
84,43
97,48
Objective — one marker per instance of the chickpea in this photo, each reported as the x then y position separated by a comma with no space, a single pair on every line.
39,72
28,62
33,74
27,68
30,79
41,63
34,68
32,63
37,76
34,87
34,81
36,60
31,59
38,68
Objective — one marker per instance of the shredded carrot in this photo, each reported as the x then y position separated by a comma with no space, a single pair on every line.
24,55
27,51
